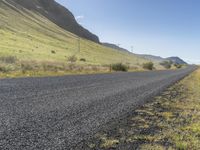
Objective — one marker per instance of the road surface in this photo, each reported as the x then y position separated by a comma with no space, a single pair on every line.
59,112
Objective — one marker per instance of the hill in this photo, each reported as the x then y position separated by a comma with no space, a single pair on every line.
37,41
56,13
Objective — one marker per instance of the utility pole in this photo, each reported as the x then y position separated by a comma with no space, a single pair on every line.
132,49
137,61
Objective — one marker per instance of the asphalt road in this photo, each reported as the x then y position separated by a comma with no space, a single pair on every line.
59,112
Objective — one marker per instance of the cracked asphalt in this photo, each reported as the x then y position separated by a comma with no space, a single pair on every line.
58,113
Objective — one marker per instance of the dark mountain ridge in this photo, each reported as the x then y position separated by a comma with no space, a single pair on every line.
56,13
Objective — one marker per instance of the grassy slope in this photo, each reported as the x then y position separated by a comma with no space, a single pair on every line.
170,122
30,36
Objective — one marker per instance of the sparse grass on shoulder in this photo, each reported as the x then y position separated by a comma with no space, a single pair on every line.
170,122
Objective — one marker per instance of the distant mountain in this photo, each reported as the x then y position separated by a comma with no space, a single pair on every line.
152,57
176,60
57,13
114,47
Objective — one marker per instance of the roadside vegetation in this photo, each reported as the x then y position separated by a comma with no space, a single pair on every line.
148,66
10,66
166,64
170,64
178,66
170,122
120,67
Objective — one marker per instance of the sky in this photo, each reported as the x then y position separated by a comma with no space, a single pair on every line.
158,27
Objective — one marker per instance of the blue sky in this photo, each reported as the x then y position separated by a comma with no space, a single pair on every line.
159,27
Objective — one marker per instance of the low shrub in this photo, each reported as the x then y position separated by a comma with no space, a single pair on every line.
8,59
26,67
178,66
4,69
83,59
53,52
166,64
119,67
148,66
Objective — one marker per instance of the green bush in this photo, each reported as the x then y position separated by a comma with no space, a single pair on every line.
166,64
8,59
53,52
3,69
148,66
119,67
178,66
6,68
83,59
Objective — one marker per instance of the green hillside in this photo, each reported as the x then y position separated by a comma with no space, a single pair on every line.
34,39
